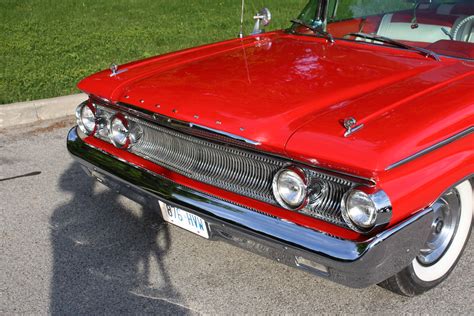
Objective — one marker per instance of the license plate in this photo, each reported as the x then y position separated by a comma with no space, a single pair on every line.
184,219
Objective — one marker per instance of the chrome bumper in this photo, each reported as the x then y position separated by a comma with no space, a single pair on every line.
355,264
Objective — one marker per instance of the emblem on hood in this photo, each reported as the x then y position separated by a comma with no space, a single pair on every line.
351,126
115,71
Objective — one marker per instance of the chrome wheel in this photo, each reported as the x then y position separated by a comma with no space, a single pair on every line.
447,212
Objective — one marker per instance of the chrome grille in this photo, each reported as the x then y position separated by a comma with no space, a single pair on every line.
240,171
219,163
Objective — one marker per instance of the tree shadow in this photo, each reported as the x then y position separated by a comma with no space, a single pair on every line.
108,258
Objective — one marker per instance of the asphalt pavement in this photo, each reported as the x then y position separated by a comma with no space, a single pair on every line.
69,245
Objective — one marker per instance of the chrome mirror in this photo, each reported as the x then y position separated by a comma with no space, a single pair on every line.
262,19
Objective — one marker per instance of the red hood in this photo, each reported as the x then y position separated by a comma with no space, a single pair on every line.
291,93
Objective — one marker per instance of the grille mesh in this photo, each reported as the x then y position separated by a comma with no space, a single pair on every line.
232,169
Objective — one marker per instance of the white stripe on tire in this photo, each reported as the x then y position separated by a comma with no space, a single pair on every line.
444,264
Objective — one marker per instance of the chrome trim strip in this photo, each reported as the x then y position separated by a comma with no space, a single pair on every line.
352,263
166,120
235,137
432,148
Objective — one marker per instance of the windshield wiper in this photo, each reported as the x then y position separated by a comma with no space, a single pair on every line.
425,52
318,30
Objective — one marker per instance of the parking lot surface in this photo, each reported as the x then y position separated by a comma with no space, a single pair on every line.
69,245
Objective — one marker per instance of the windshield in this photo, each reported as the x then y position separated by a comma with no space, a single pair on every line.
444,27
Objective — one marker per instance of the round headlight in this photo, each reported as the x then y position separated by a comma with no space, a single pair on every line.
86,119
289,188
119,131
359,210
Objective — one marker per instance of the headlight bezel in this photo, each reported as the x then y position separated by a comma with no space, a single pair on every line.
125,122
298,172
132,133
79,117
382,209
326,197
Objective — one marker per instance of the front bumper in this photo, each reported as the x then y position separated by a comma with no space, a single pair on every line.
352,263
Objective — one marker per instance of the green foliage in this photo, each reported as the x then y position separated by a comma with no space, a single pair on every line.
47,46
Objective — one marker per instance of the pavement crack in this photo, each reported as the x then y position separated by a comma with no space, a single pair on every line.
35,173
165,300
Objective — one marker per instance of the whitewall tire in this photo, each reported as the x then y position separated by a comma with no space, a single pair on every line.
450,232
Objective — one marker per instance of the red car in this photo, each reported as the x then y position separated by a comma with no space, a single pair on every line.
343,145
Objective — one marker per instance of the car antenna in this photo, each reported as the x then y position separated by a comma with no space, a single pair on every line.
241,34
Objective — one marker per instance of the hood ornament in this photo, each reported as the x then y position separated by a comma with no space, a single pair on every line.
351,126
115,71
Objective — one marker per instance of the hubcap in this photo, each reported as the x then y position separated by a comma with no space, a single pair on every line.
447,211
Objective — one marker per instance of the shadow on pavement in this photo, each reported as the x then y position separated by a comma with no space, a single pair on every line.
107,258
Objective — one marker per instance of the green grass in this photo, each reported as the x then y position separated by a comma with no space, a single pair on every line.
47,46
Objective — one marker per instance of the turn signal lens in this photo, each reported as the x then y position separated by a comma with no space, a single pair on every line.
359,210
86,119
289,188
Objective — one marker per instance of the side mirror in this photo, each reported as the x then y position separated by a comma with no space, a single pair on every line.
262,19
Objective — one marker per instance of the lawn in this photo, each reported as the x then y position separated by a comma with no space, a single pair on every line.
47,46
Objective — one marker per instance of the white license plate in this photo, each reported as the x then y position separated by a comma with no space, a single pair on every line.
184,219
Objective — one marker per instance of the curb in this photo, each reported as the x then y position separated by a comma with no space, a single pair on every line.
45,109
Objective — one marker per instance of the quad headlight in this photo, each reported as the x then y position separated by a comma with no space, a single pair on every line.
331,198
289,188
107,124
122,132
362,211
86,118
119,131
358,209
